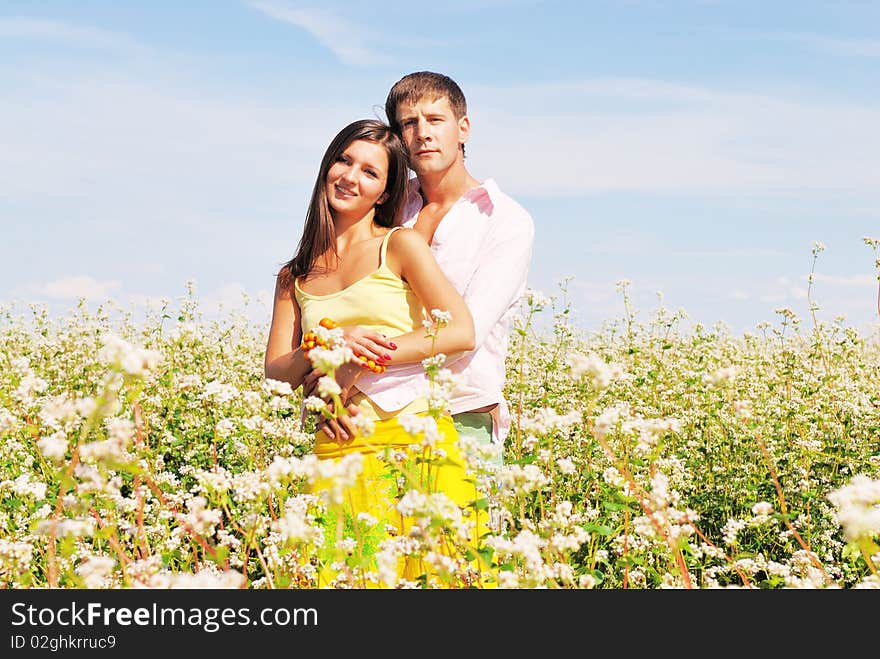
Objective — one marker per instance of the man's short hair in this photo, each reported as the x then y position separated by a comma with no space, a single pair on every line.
414,87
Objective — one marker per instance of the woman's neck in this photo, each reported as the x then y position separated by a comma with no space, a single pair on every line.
353,230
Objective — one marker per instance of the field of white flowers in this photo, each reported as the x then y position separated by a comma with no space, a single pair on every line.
643,455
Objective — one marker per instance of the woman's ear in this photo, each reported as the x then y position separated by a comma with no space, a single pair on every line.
381,200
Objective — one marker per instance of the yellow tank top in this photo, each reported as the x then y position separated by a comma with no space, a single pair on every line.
380,301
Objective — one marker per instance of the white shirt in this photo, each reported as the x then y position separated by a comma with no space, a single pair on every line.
483,245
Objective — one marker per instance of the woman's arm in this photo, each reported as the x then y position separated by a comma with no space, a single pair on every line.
284,358
409,254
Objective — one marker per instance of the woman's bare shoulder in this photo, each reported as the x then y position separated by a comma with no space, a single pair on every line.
284,283
406,239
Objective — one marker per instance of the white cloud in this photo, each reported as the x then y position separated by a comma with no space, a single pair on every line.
344,39
151,302
77,286
105,137
837,46
781,290
649,136
153,147
843,280
233,297
67,34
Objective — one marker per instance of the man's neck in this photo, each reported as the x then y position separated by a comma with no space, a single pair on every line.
445,188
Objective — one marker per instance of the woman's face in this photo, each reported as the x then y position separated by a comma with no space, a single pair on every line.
356,181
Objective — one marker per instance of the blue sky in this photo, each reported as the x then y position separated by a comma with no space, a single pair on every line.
695,148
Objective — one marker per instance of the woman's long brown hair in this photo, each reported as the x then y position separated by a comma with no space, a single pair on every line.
319,235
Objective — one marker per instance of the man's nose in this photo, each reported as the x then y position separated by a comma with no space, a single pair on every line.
422,129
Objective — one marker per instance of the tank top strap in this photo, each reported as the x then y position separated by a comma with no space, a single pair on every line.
385,245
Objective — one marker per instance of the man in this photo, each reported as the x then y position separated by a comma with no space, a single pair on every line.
482,240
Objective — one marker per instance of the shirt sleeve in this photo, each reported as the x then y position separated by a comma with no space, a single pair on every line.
500,276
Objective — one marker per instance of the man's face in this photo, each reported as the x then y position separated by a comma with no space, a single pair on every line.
432,135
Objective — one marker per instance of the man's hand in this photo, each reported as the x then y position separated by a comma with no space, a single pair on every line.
346,377
340,428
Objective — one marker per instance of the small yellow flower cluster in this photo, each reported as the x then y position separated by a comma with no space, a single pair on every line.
311,339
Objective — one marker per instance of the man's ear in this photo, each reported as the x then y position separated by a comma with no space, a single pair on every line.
464,129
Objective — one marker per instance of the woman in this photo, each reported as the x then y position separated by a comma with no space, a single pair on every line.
351,266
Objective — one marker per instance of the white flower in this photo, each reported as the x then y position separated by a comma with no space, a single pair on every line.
224,428
64,527
278,387
609,418
53,447
441,318
434,361
121,430
328,360
328,387
94,570
592,367
566,466
414,425
7,421
858,507
762,509
207,579
536,299
314,404
131,359
742,410
720,376
297,526
363,425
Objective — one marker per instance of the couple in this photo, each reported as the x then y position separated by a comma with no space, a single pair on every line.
379,251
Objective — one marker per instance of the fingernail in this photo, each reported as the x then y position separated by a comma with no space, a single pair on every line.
387,356
393,347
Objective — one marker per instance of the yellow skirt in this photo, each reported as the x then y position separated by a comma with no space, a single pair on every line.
393,465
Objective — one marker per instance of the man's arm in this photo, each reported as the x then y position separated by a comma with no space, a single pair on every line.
500,277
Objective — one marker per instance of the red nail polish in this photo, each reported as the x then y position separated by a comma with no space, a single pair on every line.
393,347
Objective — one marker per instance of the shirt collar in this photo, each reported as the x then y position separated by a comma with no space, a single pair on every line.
484,196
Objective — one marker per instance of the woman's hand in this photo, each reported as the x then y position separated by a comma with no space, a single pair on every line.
368,343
